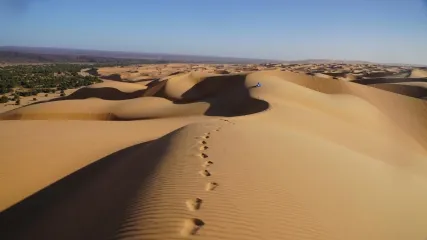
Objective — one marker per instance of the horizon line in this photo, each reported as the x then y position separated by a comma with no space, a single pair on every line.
215,56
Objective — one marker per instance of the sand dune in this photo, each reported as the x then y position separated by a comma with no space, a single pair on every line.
418,73
322,75
410,86
108,90
412,89
349,77
121,86
182,95
206,156
399,75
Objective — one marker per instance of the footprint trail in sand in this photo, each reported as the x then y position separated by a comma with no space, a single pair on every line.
192,226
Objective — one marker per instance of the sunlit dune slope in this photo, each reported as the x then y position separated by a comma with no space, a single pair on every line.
419,73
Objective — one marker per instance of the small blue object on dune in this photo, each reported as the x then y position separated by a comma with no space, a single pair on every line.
258,85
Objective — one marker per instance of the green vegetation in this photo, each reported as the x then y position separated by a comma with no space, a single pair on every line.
29,80
4,99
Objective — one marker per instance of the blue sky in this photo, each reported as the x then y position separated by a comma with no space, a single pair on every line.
374,30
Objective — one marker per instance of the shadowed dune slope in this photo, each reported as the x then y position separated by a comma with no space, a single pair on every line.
413,86
227,96
107,90
106,93
75,144
415,90
325,159
117,178
404,74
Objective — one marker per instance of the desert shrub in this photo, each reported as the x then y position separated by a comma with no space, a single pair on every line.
4,99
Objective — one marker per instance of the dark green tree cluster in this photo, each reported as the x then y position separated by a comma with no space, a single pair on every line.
34,79
4,99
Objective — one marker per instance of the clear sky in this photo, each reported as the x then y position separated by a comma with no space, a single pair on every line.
387,31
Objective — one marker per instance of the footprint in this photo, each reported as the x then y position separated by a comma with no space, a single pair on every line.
202,155
225,120
191,226
202,142
205,173
193,204
204,137
207,163
211,186
203,148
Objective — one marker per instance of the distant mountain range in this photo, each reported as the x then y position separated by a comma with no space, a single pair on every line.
15,54
12,54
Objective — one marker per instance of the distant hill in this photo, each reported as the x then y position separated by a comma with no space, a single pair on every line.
12,54
326,61
15,54
22,57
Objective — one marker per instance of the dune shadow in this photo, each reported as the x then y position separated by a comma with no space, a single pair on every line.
113,77
156,88
105,93
407,90
88,204
93,72
141,80
227,95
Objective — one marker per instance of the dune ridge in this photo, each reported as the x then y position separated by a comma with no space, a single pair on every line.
207,156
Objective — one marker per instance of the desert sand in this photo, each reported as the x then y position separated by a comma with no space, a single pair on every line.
200,155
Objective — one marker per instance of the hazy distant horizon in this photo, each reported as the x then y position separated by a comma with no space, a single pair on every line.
216,56
388,32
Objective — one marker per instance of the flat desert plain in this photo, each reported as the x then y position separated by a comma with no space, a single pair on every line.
208,155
